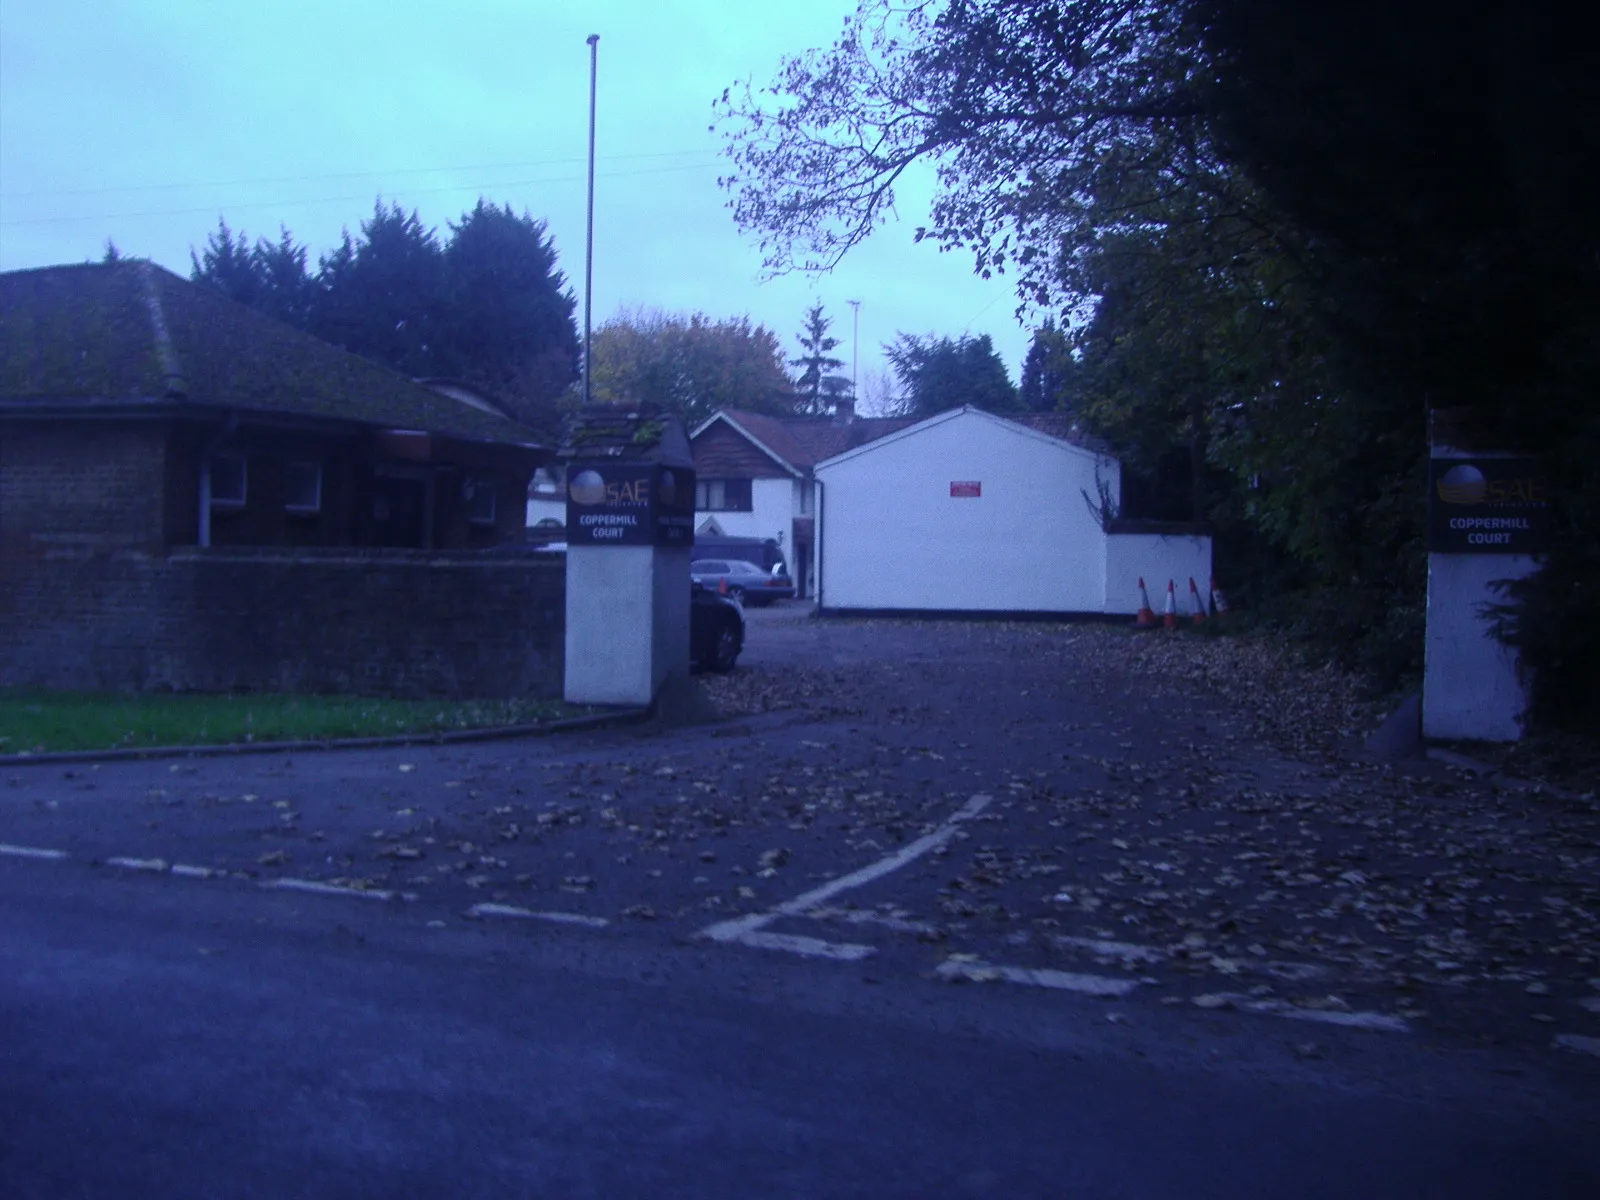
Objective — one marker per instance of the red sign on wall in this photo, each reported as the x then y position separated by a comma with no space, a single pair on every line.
966,489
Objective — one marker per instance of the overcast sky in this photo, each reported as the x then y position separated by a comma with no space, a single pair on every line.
144,122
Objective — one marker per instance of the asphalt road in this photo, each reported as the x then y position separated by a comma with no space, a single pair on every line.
815,951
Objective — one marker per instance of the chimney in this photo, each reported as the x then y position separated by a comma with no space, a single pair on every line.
844,410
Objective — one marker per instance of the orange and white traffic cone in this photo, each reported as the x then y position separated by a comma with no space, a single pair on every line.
722,587
1169,619
1219,602
1145,618
1197,608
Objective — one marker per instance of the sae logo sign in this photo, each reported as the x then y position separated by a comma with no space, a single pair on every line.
1487,506
629,504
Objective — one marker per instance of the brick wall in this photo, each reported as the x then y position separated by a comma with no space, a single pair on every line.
81,483
367,622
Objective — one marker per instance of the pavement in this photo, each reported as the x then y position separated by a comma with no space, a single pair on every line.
1052,867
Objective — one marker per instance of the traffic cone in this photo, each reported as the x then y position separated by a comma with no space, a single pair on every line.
722,586
1169,619
1145,619
1197,607
1219,602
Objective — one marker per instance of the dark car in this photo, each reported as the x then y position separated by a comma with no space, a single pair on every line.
716,630
741,580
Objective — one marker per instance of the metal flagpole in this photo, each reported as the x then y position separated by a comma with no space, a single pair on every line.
588,251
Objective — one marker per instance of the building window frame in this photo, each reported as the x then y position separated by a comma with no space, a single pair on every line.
297,473
229,477
723,495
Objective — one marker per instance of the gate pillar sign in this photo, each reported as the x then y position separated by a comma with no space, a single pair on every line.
1488,518
630,533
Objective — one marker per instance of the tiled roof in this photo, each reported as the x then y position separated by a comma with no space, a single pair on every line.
806,441
128,335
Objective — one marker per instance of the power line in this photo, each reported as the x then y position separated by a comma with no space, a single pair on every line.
155,187
248,205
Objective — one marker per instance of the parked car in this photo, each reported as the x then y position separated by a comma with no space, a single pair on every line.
741,580
716,629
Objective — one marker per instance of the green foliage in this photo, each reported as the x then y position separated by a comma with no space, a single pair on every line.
488,306
689,365
40,722
1049,372
936,374
817,387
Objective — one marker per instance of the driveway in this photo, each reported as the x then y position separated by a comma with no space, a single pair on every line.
1064,832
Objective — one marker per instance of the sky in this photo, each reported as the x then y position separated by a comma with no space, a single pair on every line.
146,122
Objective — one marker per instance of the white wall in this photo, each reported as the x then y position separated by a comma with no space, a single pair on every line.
627,622
773,506
893,537
541,508
1157,558
1471,687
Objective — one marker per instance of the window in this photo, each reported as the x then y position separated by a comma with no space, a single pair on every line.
722,495
548,483
479,495
302,487
229,481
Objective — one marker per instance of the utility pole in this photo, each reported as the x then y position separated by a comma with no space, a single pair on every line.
588,249
855,346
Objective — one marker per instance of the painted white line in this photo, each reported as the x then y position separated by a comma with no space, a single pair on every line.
529,914
910,852
1576,1041
1122,951
807,947
743,929
866,917
1064,981
138,864
1324,1016
31,852
185,871
333,889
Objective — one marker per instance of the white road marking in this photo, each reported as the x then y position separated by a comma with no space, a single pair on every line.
807,947
745,930
1064,981
333,889
138,864
867,917
1576,1041
31,852
529,914
185,871
1294,1012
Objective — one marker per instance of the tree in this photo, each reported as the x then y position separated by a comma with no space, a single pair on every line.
689,364
489,306
383,296
508,324
936,374
1048,371
227,264
1446,185
817,388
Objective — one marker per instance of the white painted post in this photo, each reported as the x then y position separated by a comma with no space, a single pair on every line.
630,532
1486,523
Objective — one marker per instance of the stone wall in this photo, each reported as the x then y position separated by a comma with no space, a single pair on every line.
398,623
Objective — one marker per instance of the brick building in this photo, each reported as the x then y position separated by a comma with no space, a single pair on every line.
193,495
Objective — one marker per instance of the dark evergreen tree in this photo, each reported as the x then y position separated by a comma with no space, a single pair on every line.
508,322
1048,371
228,265
936,374
816,388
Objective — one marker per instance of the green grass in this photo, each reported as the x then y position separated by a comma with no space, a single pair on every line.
38,722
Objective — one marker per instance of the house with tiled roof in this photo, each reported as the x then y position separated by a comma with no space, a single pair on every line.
754,476
148,423
230,427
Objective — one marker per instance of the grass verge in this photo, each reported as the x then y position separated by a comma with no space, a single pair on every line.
41,722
